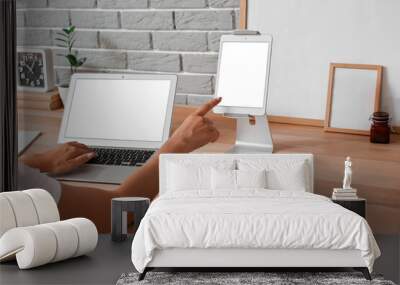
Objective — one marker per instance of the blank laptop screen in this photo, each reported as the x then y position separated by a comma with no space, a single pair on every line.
109,109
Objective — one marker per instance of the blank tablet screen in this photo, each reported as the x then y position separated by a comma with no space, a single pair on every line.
242,74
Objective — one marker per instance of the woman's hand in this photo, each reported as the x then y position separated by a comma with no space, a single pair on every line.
62,159
195,131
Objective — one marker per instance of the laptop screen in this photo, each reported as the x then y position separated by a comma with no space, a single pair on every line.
118,110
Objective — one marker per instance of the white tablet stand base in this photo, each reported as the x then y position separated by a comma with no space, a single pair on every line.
252,138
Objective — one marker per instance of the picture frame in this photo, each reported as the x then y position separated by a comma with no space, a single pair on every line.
354,93
243,15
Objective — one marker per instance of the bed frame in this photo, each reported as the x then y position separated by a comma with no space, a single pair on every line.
245,258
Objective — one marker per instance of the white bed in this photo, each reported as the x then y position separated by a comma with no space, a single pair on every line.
194,223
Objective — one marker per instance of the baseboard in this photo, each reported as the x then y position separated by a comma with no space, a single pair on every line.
310,122
296,121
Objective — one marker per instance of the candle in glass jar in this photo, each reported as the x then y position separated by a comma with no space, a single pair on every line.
380,129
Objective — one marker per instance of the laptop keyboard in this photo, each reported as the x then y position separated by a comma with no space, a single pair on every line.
127,157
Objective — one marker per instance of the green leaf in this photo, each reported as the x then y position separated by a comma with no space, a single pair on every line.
69,30
72,59
61,40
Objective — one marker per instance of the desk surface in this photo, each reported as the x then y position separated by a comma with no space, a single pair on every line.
376,167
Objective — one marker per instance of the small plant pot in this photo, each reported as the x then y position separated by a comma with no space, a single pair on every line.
63,91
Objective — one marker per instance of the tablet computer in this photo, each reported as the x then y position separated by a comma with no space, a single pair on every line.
243,73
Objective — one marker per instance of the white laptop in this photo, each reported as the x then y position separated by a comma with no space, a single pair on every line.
124,118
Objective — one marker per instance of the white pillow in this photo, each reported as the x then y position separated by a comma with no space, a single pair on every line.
193,174
223,179
281,174
251,178
236,179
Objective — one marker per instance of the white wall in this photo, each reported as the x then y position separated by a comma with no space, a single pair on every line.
310,34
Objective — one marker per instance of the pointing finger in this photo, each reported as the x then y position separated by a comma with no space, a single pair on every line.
204,109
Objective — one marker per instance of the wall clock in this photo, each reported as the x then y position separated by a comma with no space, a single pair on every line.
34,70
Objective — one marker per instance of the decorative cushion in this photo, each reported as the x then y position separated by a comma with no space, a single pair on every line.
188,175
281,174
251,178
40,244
26,208
223,179
87,234
7,218
23,208
67,237
236,179
31,232
45,205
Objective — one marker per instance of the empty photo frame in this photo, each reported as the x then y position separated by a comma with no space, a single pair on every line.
354,93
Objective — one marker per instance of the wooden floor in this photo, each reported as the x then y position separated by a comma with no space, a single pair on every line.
376,167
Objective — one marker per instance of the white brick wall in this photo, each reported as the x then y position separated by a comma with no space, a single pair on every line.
152,36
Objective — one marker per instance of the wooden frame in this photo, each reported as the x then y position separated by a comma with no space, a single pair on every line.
377,100
243,15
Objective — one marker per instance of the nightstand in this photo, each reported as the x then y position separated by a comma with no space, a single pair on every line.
357,206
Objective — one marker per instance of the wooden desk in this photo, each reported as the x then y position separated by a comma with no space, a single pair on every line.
376,167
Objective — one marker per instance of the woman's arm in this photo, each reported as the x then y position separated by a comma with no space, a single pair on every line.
95,204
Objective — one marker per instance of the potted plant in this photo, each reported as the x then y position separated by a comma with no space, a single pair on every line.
66,39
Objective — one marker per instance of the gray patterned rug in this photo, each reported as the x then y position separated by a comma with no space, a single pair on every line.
269,278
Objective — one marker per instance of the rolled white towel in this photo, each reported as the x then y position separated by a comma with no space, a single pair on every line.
37,245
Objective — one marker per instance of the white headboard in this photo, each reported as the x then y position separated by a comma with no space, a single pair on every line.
310,34
166,158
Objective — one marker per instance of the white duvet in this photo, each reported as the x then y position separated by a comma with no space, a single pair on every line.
250,219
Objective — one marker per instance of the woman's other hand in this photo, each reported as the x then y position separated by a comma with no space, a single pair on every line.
61,159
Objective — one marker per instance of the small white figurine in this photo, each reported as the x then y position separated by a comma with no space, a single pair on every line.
347,173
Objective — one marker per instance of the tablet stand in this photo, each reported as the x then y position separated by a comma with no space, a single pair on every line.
251,138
